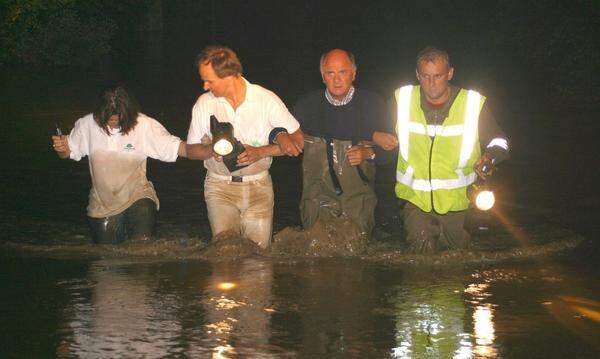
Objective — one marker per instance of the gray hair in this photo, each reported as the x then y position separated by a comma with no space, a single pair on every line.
348,53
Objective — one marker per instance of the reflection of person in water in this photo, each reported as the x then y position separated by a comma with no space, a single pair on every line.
432,319
238,311
123,316
336,309
118,139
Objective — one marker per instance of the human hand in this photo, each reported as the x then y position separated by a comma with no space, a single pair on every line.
249,156
484,166
385,140
298,138
61,146
217,157
207,141
356,154
287,145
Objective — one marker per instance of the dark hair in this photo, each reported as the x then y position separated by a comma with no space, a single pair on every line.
224,60
430,54
117,101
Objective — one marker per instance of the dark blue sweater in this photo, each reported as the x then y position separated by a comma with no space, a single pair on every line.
355,121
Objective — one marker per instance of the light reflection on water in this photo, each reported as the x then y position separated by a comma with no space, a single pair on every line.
431,322
483,318
121,317
259,308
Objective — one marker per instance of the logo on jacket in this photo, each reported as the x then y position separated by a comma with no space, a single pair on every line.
129,147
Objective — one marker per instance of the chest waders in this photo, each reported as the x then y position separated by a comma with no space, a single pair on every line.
354,197
334,179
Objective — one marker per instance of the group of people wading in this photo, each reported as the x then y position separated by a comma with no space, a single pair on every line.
444,136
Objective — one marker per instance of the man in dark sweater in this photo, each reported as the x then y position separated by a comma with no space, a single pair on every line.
339,123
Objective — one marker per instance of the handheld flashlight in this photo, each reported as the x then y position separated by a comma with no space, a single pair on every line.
225,144
485,199
481,192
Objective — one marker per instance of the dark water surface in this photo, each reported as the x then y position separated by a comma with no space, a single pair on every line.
91,303
315,308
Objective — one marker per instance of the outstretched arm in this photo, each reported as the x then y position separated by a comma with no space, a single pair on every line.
199,151
385,140
61,146
290,144
253,154
182,150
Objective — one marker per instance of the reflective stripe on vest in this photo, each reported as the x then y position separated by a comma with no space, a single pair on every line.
435,162
471,122
435,184
468,130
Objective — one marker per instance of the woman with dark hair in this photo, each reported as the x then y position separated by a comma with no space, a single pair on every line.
118,138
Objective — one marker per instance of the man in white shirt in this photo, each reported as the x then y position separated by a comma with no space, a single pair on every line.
240,200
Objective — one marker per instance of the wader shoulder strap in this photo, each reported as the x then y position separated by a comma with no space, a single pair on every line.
334,179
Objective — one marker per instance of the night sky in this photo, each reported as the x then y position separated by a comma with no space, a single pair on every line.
501,48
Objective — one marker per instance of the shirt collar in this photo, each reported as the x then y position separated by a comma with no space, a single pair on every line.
249,92
341,102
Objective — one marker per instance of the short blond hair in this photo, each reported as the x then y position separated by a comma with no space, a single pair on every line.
431,54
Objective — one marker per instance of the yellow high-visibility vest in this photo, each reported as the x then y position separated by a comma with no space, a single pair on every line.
435,162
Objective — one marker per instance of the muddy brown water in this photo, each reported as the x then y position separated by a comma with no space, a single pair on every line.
521,292
258,307
528,289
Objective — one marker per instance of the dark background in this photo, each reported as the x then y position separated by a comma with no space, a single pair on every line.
538,61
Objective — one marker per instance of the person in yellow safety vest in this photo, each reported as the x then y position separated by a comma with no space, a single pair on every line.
440,131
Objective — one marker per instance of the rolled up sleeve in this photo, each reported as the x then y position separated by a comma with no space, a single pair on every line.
280,116
78,138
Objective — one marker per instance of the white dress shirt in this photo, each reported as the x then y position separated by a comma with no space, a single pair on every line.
252,122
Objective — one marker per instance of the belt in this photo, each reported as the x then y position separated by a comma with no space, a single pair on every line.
247,178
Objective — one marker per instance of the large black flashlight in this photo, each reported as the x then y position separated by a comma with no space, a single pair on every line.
225,144
481,193
483,197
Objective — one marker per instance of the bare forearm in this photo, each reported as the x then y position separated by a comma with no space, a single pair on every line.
182,150
290,144
270,150
198,151
385,140
253,154
64,155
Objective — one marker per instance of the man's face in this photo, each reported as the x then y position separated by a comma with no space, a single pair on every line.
433,77
338,74
213,83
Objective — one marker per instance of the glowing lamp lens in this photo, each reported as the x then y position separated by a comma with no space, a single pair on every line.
485,200
223,147
226,286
